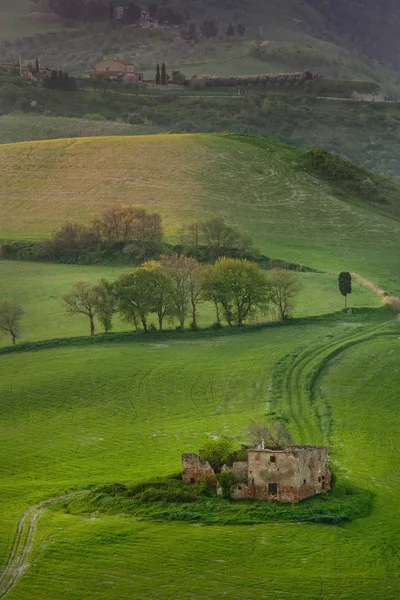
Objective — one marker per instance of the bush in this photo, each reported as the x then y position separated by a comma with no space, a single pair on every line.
94,117
226,481
135,119
216,453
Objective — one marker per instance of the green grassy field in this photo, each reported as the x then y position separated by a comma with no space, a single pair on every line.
72,417
39,288
260,187
85,414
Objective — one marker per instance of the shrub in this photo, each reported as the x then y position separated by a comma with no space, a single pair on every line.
94,117
226,481
113,489
135,119
216,452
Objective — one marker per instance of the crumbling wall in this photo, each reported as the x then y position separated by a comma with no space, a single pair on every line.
193,469
313,473
288,475
239,469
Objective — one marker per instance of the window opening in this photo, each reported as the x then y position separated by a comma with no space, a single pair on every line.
272,489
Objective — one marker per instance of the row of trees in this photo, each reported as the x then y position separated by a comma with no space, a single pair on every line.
58,80
271,81
138,233
174,287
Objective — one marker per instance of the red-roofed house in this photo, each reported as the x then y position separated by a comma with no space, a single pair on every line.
114,68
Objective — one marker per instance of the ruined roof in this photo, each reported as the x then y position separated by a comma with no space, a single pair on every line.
260,447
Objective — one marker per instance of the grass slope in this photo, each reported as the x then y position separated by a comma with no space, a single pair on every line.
39,288
258,185
81,416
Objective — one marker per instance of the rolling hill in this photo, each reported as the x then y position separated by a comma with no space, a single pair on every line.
78,413
258,185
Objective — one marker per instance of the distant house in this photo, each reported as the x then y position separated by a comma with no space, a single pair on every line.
115,68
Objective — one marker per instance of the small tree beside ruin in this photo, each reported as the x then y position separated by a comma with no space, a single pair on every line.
274,436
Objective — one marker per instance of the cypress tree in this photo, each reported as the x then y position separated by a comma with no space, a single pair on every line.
163,74
345,285
37,66
158,77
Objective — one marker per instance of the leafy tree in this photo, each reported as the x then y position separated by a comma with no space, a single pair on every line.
211,292
218,236
134,296
284,287
345,285
161,291
209,28
195,282
191,238
82,300
106,303
158,75
178,269
72,240
216,453
10,317
241,29
241,288
133,225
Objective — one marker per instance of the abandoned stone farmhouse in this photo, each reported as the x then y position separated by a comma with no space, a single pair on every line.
286,475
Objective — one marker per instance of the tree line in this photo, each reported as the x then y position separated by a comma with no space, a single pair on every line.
134,234
174,287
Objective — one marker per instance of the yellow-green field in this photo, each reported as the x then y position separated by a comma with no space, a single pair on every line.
260,188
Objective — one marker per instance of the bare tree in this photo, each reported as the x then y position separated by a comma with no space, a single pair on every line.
10,316
284,288
271,436
82,300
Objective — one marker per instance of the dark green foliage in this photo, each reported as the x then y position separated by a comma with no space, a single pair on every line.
58,80
158,75
170,499
216,453
349,178
226,481
163,74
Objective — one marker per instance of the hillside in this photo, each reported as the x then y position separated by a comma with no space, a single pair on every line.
80,412
294,36
261,186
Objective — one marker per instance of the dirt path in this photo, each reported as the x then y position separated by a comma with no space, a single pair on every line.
17,561
392,302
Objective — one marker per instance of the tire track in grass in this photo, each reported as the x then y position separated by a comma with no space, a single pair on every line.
18,558
294,388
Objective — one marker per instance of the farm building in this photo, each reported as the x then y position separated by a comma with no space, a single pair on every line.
114,68
289,474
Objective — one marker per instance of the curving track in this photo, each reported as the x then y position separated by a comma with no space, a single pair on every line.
295,376
17,561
